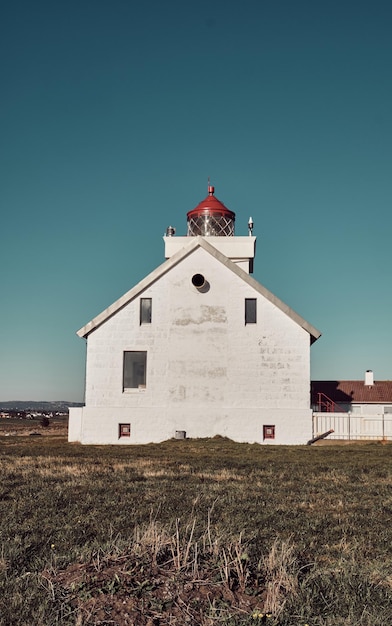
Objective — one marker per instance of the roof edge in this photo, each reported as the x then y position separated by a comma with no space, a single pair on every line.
137,289
196,242
313,332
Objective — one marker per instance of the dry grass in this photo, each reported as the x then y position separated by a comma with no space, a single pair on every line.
194,532
281,576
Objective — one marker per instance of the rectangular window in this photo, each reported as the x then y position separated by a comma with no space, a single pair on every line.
250,310
134,370
145,310
124,430
268,432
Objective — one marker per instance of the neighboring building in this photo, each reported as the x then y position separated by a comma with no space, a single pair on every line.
198,348
354,409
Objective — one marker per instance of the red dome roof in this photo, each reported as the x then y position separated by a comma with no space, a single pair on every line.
211,206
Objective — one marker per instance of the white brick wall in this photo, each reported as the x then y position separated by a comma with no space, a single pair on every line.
207,372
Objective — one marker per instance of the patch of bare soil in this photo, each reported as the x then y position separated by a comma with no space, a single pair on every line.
123,591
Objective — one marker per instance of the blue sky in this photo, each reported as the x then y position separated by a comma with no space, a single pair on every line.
113,115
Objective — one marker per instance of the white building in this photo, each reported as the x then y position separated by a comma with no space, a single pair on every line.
198,348
353,409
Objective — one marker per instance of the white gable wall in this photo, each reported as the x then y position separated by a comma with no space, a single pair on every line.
207,372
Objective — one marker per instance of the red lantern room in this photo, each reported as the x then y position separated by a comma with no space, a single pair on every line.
210,218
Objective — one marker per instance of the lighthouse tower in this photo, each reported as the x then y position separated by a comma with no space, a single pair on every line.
212,220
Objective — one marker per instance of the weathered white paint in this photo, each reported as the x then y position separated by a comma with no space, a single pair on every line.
207,372
192,244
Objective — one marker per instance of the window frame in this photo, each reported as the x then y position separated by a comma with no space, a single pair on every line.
250,311
145,313
266,434
124,430
140,376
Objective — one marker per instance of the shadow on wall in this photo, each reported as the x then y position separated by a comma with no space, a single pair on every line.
327,396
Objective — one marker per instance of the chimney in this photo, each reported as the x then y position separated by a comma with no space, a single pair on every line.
369,378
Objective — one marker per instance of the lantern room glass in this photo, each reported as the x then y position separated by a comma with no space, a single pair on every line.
210,225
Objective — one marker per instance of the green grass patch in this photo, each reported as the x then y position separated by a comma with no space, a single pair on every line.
194,532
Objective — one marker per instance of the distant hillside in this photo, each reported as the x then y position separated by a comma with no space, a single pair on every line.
32,405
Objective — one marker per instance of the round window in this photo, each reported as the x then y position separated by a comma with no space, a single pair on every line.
198,280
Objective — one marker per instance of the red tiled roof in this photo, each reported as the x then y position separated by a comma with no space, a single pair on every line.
344,391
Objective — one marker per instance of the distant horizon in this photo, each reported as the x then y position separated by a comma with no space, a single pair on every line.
311,380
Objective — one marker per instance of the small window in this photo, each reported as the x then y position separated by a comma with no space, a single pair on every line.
124,430
268,432
134,370
145,310
250,310
387,409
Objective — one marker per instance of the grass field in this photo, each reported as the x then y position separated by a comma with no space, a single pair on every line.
194,532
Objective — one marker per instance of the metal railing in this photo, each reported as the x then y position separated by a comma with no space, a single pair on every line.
326,404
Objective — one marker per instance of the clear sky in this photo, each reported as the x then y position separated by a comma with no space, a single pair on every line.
113,115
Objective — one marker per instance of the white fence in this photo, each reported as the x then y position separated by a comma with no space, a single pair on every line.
353,427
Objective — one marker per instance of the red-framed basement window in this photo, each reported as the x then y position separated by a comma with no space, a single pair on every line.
124,430
268,431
